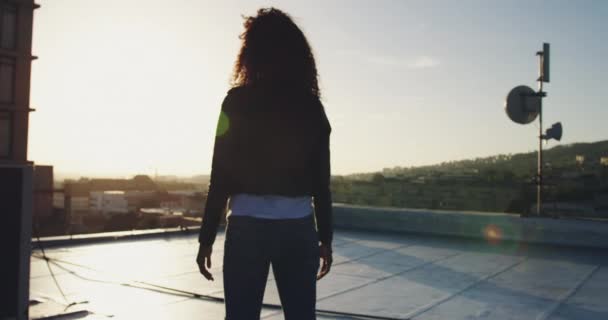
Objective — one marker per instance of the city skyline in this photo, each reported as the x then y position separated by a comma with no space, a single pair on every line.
128,87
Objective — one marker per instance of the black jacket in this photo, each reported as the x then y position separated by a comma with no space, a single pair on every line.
270,143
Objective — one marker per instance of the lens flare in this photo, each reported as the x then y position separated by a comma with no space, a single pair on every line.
223,124
492,234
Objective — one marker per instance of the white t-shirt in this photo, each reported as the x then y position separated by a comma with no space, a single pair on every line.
270,206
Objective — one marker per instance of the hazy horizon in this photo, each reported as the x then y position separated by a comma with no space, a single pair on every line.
73,175
134,87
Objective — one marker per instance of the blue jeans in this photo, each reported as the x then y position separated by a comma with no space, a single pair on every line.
251,245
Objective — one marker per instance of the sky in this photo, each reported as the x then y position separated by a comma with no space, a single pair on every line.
125,87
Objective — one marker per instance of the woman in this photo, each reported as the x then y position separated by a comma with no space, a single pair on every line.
271,159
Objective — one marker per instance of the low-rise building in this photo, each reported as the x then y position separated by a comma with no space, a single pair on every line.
76,207
141,199
43,193
108,202
77,194
194,203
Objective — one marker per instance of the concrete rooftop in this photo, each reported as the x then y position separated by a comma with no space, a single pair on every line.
381,275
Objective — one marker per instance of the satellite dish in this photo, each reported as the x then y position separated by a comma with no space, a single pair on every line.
555,132
522,105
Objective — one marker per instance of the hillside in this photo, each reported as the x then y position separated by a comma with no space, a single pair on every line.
520,164
502,183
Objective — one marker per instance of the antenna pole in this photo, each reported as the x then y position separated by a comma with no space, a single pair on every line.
543,76
539,178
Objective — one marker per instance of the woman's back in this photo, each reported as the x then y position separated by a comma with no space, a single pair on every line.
273,141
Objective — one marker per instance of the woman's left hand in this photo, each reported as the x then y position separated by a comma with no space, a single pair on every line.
203,260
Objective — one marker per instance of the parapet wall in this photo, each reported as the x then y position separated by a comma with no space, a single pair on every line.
476,225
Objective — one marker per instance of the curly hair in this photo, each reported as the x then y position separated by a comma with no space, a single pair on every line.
275,52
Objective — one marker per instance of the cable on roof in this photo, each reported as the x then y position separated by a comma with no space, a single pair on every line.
74,314
48,265
184,293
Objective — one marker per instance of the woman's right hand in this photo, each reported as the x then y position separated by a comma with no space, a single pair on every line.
325,255
203,259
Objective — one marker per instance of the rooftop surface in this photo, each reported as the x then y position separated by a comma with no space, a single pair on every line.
381,275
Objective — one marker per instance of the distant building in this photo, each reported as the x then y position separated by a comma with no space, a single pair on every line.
43,193
108,202
141,199
604,161
580,160
80,203
137,183
58,200
194,203
76,207
48,215
171,201
77,193
189,200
